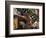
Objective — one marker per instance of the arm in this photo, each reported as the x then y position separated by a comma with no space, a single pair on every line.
24,17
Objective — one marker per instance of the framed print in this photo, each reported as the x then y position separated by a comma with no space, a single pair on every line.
24,18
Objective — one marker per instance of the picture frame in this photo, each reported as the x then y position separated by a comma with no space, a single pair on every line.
23,32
